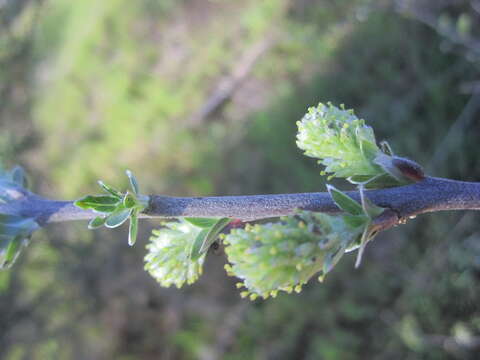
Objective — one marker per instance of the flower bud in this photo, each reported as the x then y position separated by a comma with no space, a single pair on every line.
402,169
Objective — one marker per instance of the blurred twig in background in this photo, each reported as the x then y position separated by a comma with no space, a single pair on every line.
227,86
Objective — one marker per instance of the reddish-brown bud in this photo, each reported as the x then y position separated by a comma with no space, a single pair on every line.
400,168
409,169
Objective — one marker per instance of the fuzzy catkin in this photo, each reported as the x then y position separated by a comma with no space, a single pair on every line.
168,259
283,256
341,141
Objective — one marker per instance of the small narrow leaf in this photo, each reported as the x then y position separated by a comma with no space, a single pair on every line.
355,221
110,190
102,203
368,234
133,182
13,250
213,233
382,181
195,252
96,222
133,228
344,202
202,222
369,207
332,259
368,149
104,209
117,218
361,179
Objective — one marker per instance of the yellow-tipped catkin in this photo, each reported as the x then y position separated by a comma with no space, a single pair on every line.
341,141
283,256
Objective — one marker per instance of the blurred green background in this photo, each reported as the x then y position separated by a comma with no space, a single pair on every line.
201,97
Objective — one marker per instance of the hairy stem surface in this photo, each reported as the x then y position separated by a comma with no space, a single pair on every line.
430,194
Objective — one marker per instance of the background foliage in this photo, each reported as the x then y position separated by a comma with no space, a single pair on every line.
201,97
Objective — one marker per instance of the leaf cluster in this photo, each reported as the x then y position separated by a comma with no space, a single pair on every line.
116,207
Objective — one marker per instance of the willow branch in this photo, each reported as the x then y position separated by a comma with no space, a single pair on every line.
428,195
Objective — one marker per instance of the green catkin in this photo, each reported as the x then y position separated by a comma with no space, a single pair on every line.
284,256
168,259
341,141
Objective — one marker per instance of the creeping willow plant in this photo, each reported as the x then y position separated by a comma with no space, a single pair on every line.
282,255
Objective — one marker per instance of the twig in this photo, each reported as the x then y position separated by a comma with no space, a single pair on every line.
428,195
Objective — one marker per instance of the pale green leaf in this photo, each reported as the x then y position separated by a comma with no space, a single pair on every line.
344,202
195,252
201,222
96,222
213,233
118,217
110,189
369,208
13,251
355,221
101,203
331,259
133,228
133,182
